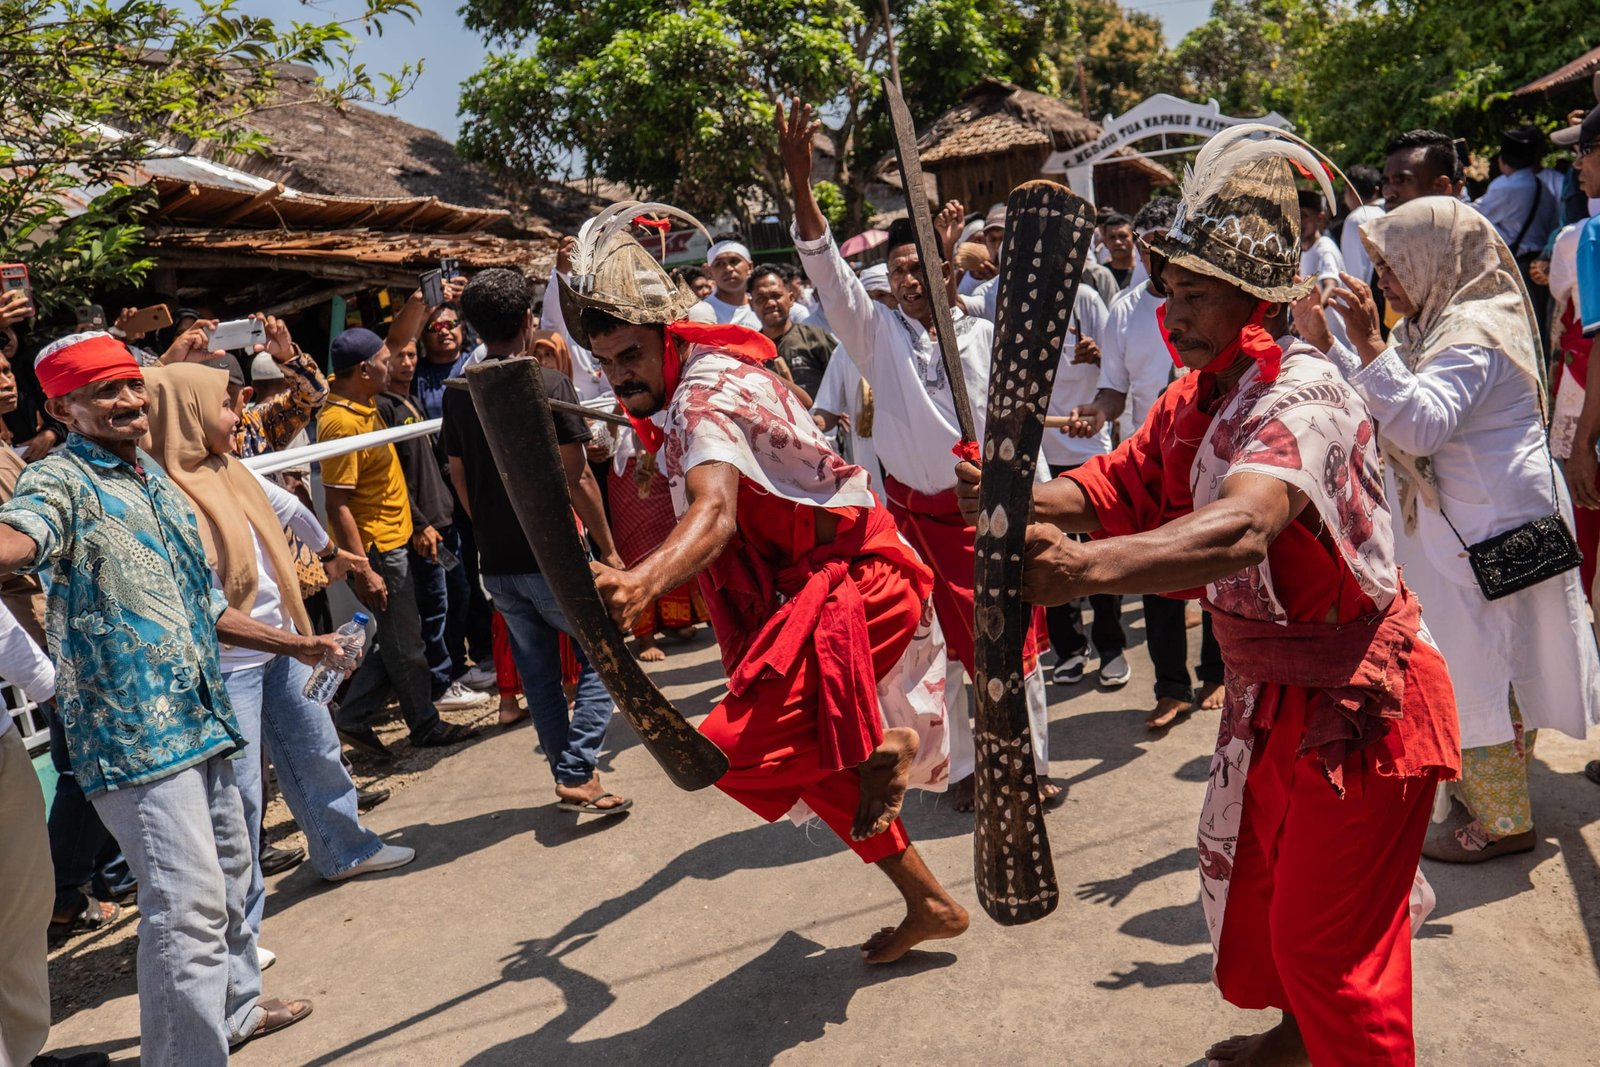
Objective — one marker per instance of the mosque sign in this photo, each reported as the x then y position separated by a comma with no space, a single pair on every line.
1157,115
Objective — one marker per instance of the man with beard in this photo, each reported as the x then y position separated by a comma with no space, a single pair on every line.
1254,484
819,606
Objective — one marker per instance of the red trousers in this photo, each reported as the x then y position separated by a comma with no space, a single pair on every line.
1586,531
1318,921
770,731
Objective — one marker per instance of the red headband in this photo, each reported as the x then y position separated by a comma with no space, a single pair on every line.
99,357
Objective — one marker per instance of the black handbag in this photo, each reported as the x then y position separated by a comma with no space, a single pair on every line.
1524,556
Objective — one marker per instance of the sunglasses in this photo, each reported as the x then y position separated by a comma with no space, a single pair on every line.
443,325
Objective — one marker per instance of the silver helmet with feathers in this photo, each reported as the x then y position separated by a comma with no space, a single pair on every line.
611,271
1239,215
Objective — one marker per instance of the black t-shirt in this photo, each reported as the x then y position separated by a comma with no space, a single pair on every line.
806,349
431,503
1121,274
502,548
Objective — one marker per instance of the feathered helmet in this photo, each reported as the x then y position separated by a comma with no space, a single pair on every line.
613,272
1239,216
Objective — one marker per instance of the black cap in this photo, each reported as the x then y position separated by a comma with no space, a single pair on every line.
354,347
229,363
1521,146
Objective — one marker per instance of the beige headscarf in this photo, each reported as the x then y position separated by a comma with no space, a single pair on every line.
185,402
1468,291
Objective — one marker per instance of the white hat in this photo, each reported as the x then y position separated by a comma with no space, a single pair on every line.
875,279
265,369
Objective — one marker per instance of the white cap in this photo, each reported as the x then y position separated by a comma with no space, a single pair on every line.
875,279
265,369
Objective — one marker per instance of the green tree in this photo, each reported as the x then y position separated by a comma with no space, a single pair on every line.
1121,52
89,88
674,97
1449,67
1251,55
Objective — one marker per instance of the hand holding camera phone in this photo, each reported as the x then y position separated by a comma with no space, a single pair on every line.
235,335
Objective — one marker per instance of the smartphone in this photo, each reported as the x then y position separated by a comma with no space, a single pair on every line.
90,316
447,559
237,334
15,276
432,286
450,267
155,317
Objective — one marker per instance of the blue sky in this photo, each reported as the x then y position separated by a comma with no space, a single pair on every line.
452,53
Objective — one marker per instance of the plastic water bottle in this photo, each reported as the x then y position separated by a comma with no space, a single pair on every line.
325,679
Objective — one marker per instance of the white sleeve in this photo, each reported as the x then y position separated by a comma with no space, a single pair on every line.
1090,312
857,319
294,514
23,663
1421,410
835,385
550,316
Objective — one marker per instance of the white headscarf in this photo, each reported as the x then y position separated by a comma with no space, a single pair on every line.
1467,290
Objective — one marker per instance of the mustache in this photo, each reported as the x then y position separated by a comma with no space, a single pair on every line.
630,389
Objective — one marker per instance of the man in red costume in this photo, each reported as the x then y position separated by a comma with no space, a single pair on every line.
1255,477
820,607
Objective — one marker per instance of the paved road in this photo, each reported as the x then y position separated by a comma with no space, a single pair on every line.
687,933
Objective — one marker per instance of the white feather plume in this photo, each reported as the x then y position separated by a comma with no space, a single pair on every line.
596,233
1237,146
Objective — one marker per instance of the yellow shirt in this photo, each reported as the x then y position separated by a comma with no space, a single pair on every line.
378,499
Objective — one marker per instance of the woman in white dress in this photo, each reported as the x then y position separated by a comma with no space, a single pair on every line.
1460,407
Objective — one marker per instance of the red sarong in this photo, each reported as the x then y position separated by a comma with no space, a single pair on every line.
802,709
935,528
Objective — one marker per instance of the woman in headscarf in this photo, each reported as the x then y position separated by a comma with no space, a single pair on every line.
1461,410
242,518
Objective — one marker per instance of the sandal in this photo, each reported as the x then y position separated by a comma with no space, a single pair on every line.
95,915
1591,771
275,1015
594,807
446,733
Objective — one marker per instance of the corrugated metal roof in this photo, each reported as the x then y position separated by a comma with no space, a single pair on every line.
1585,64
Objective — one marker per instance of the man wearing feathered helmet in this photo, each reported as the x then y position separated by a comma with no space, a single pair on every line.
835,666
1253,484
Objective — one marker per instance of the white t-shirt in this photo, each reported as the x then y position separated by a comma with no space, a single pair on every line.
713,309
1356,261
268,606
24,665
839,393
1075,384
1322,260
1134,360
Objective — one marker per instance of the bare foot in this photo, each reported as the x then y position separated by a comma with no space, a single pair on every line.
1168,709
511,712
1211,695
961,798
649,652
1049,792
684,634
884,777
1279,1047
935,920
591,792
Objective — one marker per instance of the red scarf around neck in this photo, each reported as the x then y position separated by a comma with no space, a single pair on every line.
741,342
1254,340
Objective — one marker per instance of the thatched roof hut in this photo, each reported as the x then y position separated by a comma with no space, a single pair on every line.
999,136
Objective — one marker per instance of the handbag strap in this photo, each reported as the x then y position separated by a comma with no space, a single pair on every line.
1549,455
1538,199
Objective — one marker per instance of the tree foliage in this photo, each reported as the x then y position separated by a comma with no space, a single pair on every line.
674,97
1121,52
92,87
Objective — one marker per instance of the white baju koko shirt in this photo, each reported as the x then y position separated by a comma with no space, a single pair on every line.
1134,360
1476,414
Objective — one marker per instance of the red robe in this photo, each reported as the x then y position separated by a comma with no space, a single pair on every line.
1317,918
802,709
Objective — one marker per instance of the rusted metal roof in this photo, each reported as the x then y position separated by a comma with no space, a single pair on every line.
390,258
190,201
1581,67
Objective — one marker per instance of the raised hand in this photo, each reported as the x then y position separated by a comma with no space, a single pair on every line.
1311,321
279,345
796,133
14,307
564,254
1354,303
193,345
948,224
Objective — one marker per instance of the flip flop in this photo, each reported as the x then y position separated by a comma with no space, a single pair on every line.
593,807
95,914
1591,771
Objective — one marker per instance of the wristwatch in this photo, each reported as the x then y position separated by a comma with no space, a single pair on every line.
329,555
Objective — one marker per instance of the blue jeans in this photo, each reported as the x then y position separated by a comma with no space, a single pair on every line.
433,606
270,704
533,619
468,631
199,981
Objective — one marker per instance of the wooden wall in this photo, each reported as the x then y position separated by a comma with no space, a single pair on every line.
980,181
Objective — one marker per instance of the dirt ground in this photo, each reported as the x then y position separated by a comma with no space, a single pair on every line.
686,932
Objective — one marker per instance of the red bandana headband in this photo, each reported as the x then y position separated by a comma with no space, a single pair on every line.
741,342
83,359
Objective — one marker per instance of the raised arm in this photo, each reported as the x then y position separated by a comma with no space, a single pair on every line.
699,537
